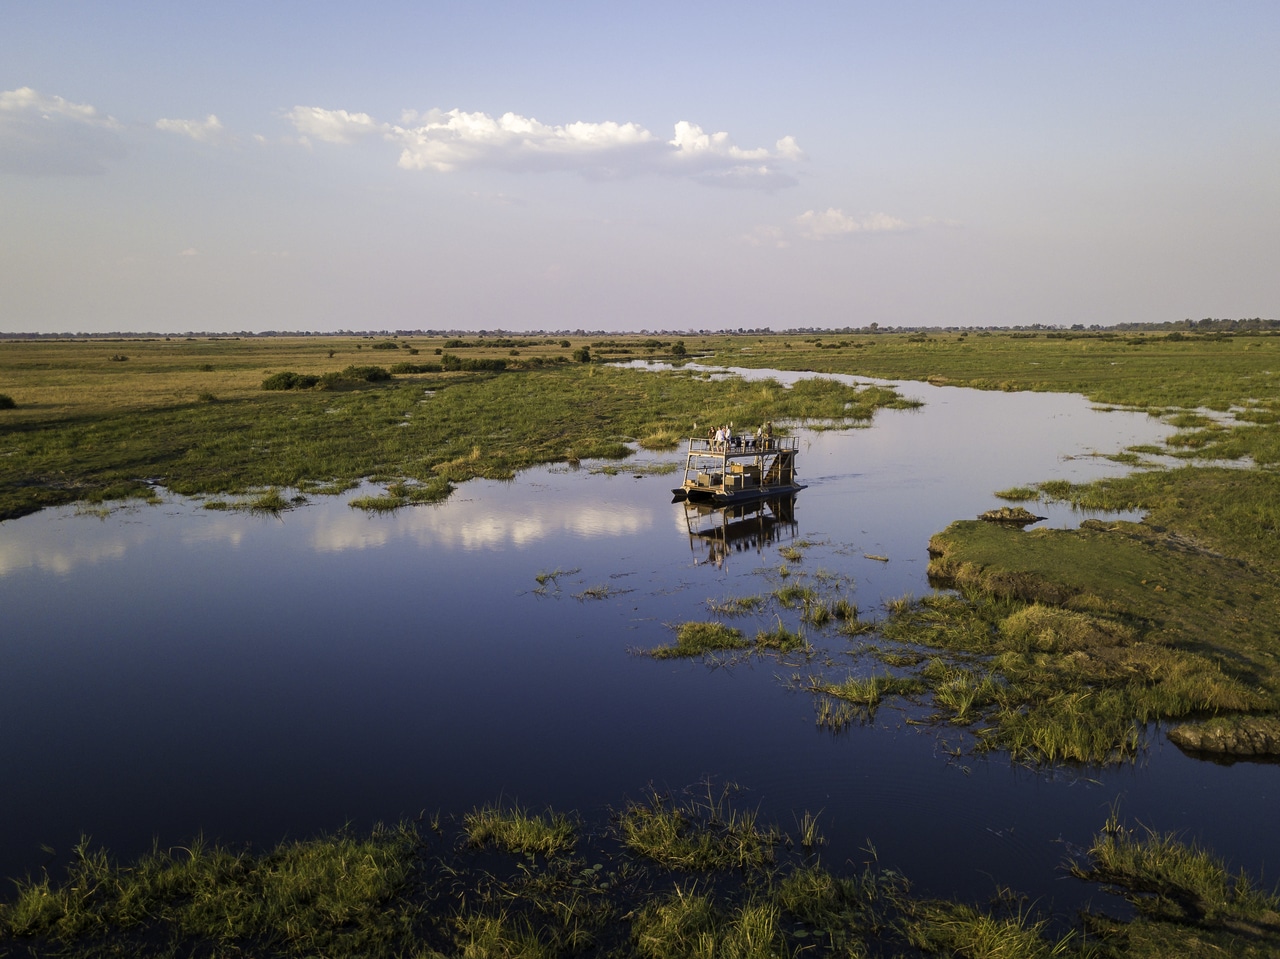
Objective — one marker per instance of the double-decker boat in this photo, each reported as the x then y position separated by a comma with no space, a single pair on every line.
739,471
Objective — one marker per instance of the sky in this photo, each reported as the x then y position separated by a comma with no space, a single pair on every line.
249,166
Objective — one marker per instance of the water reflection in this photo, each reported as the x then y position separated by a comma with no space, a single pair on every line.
716,532
478,517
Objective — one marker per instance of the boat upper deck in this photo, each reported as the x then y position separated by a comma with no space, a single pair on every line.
742,446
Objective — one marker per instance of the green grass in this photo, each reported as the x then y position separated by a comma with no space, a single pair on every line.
736,605
698,833
1188,902
341,895
686,875
515,830
697,639
83,425
1050,671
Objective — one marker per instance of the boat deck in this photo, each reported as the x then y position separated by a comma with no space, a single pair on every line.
739,471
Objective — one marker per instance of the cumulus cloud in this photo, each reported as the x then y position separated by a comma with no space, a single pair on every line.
832,223
445,141
203,131
335,126
44,135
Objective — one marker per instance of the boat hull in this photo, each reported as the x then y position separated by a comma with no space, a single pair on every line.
722,497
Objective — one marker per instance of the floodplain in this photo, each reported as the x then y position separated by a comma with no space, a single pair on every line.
258,659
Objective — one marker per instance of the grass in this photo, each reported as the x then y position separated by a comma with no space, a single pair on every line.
515,830
698,833
697,639
736,605
74,431
692,874
340,895
1052,674
1187,901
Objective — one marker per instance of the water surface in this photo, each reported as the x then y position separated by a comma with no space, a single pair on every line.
168,670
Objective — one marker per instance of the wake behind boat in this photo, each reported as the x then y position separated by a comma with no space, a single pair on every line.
740,470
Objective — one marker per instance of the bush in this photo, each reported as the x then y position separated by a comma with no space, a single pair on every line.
385,345
6,402
454,363
582,354
370,374
289,381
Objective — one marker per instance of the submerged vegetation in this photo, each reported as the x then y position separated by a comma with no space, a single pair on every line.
686,874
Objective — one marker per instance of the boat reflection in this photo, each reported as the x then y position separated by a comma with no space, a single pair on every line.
715,532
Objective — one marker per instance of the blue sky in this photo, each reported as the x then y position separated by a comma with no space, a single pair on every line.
313,166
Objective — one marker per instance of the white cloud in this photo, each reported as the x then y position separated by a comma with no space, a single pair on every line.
452,140
832,223
203,131
190,251
445,141
767,236
335,126
43,135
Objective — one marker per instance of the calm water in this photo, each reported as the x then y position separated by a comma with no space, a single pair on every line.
169,670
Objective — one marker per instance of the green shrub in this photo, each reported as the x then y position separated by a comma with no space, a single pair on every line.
454,363
370,374
6,402
385,345
289,381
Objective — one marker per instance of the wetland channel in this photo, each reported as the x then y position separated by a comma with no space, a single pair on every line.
168,670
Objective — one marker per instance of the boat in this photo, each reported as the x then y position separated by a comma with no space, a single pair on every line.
740,471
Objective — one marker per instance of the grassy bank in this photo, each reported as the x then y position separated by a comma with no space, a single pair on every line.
193,415
692,874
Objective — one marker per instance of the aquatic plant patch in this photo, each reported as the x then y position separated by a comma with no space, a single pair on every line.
691,874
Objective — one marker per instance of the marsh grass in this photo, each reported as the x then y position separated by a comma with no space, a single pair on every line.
699,638
1018,494
635,469
795,595
698,833
553,576
601,591
837,715
743,889
954,929
865,692
269,501
340,895
781,639
75,429
1176,886
1048,683
687,924
736,605
401,494
513,829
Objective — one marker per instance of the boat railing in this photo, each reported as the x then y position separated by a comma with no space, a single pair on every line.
743,444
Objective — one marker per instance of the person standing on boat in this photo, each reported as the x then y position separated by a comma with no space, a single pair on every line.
719,436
